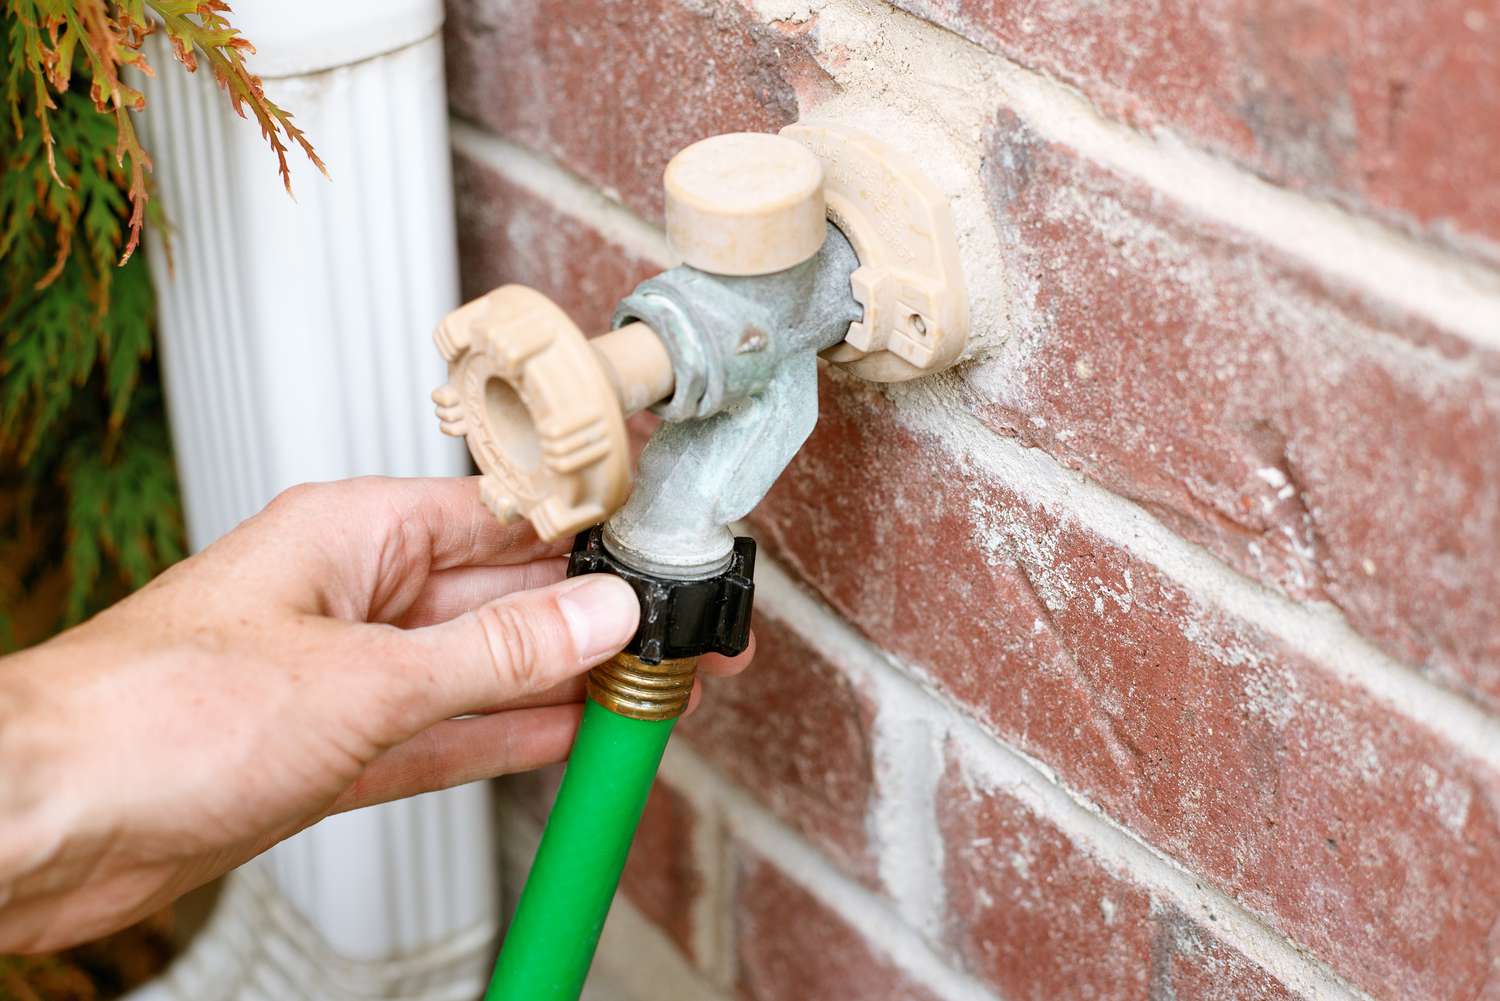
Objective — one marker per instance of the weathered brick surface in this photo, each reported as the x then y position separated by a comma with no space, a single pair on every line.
1353,831
1389,106
1309,438
789,946
795,732
613,88
508,234
664,876
1036,917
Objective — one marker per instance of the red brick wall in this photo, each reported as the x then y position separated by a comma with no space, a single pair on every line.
1152,653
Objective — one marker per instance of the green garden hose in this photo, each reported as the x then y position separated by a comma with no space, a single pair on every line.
634,700
551,940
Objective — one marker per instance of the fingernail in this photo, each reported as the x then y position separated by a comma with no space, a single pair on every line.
601,612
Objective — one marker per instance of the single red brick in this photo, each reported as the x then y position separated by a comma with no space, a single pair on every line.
1392,107
1036,916
795,732
1313,440
1369,840
664,876
789,946
507,234
613,88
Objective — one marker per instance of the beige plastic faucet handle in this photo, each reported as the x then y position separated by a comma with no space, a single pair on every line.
543,408
745,203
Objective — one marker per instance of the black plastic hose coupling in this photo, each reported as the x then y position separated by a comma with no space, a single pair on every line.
679,618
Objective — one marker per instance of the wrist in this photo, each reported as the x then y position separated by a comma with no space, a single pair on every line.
29,833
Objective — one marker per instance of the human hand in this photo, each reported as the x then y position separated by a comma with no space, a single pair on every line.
309,662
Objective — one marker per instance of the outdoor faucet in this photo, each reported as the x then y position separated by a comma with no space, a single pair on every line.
820,241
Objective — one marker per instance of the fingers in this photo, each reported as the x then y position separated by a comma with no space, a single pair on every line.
456,751
576,689
446,515
727,667
450,593
572,690
516,646
531,731
460,529
359,548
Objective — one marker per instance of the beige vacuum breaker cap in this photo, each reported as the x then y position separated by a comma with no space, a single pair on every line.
745,204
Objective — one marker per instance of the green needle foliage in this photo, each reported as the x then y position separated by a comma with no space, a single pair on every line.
88,501
88,495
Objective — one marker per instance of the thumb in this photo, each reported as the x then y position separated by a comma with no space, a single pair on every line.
525,642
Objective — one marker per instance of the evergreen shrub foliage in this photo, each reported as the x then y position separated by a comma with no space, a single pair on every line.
88,502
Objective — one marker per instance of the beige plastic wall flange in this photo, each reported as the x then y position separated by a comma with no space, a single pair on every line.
909,278
745,203
543,408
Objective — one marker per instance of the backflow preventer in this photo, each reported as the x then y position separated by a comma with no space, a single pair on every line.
818,242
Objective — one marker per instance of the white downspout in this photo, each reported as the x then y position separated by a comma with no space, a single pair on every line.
295,346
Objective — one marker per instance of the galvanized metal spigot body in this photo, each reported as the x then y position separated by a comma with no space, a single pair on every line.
744,354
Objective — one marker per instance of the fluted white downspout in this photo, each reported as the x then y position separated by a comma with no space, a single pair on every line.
295,346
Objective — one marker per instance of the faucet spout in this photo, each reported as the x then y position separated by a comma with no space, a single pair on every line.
745,349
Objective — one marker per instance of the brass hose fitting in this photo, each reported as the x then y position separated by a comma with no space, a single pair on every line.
629,686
